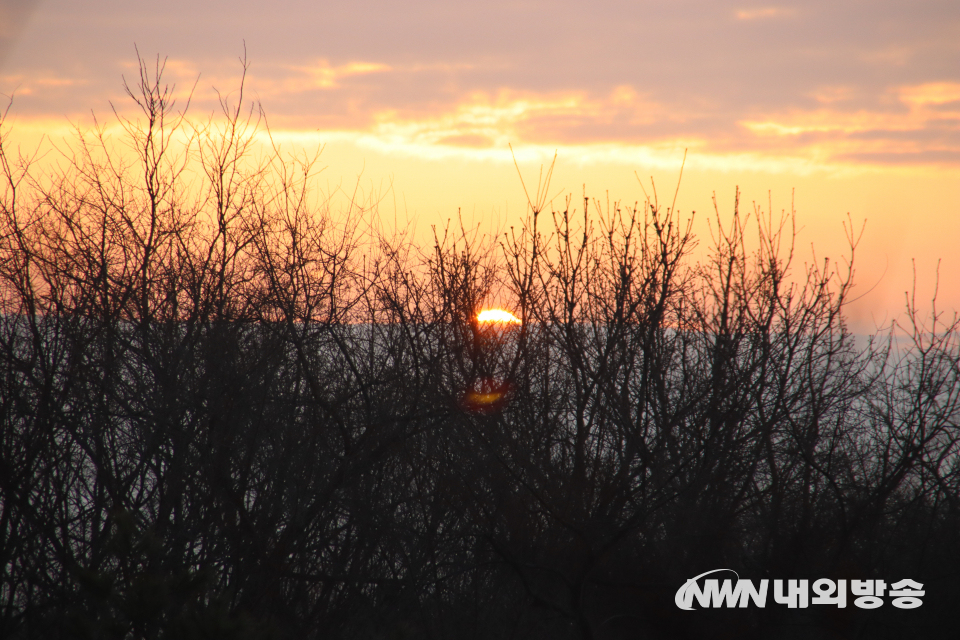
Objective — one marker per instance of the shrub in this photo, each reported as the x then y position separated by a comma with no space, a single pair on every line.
227,413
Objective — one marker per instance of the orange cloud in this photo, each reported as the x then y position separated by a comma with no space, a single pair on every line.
935,93
846,128
325,76
26,85
482,125
912,123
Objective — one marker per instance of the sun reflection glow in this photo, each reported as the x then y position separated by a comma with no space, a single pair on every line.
486,396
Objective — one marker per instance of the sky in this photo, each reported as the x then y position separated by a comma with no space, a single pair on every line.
849,110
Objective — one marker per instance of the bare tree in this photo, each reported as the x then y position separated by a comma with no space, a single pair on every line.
230,410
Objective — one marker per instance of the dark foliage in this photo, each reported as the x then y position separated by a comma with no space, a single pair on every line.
227,413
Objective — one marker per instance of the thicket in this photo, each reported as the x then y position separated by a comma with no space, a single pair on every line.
226,412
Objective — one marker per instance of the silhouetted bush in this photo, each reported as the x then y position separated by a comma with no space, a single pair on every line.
226,412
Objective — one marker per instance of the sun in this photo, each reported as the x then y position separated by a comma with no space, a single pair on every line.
497,315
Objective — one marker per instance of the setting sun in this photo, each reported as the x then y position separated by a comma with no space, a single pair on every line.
497,315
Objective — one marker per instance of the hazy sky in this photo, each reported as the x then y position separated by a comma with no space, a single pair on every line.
854,104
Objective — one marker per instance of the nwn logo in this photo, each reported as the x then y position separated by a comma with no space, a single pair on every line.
796,594
720,594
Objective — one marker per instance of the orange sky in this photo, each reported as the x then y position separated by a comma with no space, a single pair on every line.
852,106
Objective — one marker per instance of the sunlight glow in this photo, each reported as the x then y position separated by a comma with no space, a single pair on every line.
497,315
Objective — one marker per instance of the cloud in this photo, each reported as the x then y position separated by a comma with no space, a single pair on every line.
931,93
911,124
324,76
762,13
14,16
813,82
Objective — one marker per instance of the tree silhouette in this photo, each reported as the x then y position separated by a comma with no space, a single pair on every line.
229,410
